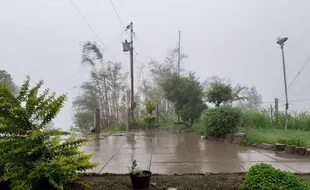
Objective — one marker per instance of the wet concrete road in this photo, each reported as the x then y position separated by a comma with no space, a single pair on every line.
168,153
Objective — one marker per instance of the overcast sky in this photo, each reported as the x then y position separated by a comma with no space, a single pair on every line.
228,38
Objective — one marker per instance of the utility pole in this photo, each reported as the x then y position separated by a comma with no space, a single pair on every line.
128,46
131,69
281,41
179,53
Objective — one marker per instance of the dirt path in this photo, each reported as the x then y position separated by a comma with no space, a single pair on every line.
163,182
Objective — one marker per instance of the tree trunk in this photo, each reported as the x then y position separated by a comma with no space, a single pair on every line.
107,101
192,122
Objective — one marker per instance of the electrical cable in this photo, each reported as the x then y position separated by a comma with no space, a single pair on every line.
119,18
91,28
304,65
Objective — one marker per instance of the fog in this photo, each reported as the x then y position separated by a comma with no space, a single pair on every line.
234,39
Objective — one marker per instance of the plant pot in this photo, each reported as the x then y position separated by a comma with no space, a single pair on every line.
141,181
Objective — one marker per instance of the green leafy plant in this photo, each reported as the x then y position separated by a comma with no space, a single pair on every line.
32,161
149,119
220,121
265,177
133,169
150,106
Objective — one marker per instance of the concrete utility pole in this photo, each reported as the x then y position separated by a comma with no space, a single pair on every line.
179,53
276,106
281,41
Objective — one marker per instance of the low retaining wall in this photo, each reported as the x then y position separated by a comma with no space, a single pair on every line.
239,138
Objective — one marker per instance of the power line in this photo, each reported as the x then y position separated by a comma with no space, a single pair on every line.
77,9
119,18
294,79
122,23
304,65
95,33
301,91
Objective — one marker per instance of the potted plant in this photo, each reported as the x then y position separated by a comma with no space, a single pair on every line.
140,179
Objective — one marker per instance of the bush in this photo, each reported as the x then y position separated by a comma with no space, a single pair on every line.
149,119
31,161
220,121
265,177
150,106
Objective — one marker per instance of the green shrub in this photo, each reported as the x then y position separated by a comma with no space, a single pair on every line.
150,106
149,119
265,177
220,121
31,161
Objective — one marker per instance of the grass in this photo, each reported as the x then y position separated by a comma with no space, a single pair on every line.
271,135
261,119
119,126
198,128
260,128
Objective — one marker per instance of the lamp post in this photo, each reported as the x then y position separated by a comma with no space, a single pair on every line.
281,41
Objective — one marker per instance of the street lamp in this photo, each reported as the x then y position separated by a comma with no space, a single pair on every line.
281,41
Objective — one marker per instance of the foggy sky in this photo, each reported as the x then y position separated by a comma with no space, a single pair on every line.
228,38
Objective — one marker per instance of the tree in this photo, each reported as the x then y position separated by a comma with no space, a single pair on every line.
186,93
84,106
106,90
253,99
219,92
6,79
27,159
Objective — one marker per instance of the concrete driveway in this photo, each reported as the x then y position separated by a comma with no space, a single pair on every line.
166,152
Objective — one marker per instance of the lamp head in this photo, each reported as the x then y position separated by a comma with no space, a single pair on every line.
281,40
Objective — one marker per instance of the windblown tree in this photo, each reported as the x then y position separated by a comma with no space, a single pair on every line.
186,93
6,79
106,89
253,100
220,91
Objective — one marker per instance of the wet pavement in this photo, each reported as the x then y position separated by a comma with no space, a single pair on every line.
166,152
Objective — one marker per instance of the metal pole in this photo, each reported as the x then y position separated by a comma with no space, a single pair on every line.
179,60
179,53
284,72
131,69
